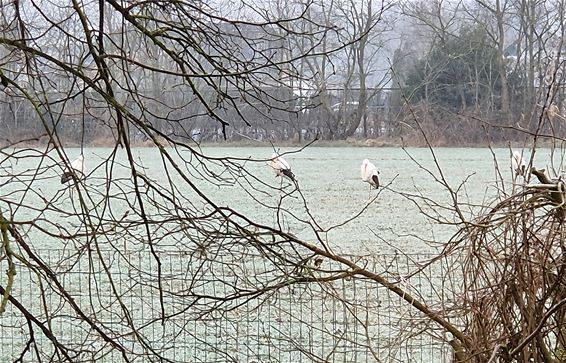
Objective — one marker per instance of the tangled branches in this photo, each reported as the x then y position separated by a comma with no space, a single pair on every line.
513,277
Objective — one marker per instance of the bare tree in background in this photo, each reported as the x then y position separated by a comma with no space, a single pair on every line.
496,30
347,81
363,59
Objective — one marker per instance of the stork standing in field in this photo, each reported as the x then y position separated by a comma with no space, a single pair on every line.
370,174
518,164
280,167
77,167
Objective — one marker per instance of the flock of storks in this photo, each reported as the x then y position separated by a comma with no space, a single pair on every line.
369,173
279,166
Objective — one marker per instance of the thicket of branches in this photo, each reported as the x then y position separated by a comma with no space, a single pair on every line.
100,61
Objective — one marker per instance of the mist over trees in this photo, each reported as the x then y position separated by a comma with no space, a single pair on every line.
460,65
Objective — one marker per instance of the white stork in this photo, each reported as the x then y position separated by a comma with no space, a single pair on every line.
77,167
280,167
518,164
370,174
